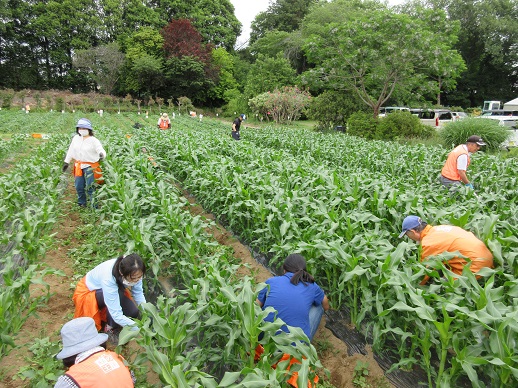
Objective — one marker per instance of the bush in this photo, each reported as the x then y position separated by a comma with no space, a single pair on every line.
457,132
363,125
402,125
332,108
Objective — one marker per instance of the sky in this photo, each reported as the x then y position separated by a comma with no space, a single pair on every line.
246,10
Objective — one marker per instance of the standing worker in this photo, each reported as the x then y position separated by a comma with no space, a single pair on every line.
236,125
87,151
454,171
164,122
88,362
447,238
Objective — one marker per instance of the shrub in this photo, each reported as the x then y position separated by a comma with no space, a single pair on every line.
59,104
7,96
402,125
332,108
362,124
457,132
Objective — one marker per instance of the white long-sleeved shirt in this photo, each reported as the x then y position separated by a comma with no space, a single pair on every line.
101,278
85,149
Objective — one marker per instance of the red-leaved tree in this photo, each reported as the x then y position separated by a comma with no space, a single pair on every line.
181,39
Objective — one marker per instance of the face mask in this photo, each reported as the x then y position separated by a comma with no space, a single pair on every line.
128,284
84,132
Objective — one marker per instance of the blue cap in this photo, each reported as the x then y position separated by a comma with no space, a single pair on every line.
84,123
410,222
243,116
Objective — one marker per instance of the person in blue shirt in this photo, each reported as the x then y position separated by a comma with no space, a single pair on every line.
111,293
295,296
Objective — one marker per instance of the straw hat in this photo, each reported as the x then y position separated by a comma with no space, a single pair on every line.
79,335
165,116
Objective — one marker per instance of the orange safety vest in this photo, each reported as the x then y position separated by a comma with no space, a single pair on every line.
447,238
86,303
450,167
259,350
164,124
96,167
103,370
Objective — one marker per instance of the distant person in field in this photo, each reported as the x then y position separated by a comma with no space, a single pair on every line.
295,296
447,238
164,122
87,361
86,151
454,171
111,293
236,125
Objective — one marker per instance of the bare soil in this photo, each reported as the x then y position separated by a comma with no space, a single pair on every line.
60,308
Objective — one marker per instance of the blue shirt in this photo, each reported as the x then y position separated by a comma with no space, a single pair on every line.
291,302
101,278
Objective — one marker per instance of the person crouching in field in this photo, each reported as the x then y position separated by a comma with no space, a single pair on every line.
295,296
164,122
453,173
447,238
111,293
86,151
88,362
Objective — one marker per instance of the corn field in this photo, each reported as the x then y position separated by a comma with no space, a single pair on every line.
336,199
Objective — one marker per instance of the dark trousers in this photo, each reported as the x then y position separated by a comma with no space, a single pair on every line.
235,135
129,307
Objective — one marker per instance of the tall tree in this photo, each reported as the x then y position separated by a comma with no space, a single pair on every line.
444,65
268,74
102,63
189,61
144,68
281,15
371,53
224,63
213,19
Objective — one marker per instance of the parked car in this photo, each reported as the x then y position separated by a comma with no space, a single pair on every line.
500,112
385,110
511,123
435,117
458,115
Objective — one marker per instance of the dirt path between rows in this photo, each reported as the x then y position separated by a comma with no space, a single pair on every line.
60,308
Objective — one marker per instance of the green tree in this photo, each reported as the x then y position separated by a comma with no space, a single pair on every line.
371,53
267,74
185,76
281,15
488,41
333,108
143,71
445,65
213,19
224,63
103,63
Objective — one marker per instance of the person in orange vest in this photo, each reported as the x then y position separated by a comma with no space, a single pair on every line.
88,362
439,239
164,122
454,171
86,151
111,292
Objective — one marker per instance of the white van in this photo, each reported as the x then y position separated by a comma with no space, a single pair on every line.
435,117
385,110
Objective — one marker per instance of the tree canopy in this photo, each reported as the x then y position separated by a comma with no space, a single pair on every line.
424,52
